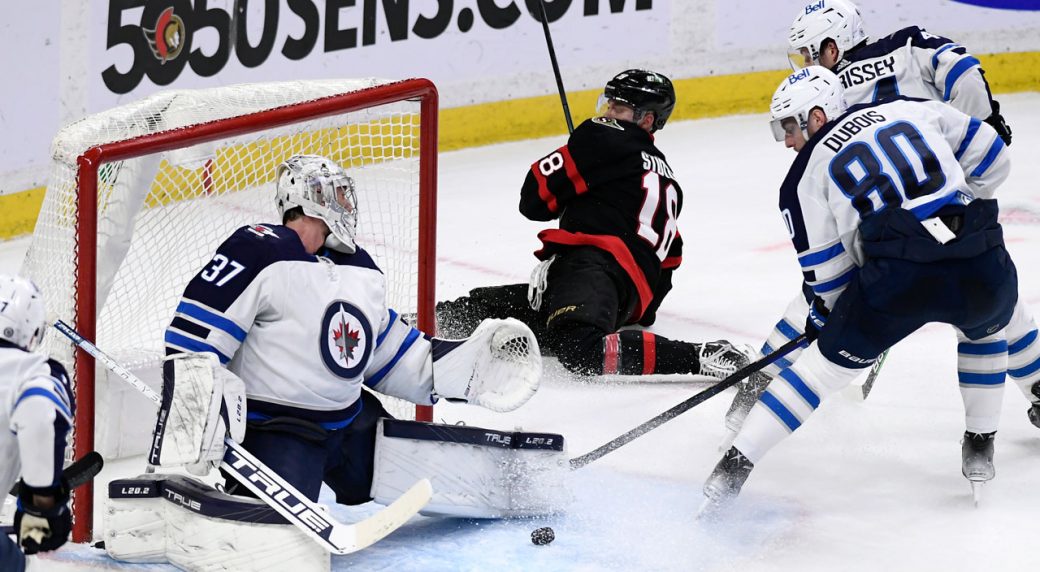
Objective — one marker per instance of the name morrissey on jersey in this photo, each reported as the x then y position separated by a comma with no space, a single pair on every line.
867,71
850,127
657,165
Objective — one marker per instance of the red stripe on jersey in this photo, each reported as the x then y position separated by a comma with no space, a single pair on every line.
611,351
649,353
580,186
543,188
614,246
671,262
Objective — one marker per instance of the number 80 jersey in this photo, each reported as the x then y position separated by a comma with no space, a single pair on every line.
912,154
612,189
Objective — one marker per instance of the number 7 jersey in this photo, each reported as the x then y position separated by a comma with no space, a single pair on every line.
611,188
918,155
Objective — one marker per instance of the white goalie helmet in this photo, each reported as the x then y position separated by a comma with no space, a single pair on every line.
803,91
323,190
23,316
838,20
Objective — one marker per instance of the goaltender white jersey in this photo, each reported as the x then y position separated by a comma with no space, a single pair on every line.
914,63
36,408
918,155
304,332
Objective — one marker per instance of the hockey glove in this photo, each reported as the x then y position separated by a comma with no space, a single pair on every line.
996,121
42,520
816,319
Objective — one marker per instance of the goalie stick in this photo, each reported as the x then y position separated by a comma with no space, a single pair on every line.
310,517
664,417
77,474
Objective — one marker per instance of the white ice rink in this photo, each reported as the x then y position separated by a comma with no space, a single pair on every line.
861,486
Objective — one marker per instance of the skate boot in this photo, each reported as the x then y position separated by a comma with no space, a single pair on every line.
1034,410
748,392
977,461
725,482
720,359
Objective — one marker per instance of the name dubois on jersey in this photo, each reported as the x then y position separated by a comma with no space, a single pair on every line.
867,71
847,130
657,165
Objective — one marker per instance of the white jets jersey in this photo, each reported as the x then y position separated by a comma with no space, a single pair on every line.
36,408
914,63
917,155
304,332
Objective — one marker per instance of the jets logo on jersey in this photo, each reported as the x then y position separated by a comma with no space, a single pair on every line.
346,343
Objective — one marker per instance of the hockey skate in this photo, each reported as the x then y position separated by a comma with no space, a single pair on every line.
977,463
721,359
725,482
1034,411
748,392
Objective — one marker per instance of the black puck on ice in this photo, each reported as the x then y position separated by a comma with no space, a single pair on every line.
543,535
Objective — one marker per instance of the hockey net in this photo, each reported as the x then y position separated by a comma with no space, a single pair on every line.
169,177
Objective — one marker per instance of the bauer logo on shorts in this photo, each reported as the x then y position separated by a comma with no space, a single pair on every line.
347,340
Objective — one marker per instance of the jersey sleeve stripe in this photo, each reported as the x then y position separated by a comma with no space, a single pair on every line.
973,128
378,376
671,262
543,189
192,345
991,156
389,326
821,256
839,282
780,362
212,319
39,391
959,69
580,186
935,56
787,330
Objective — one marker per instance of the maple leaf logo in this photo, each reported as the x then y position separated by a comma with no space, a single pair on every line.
346,343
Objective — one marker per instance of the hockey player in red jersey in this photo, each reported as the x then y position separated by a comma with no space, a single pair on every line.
610,261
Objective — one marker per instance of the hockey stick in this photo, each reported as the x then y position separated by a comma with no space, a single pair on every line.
78,473
662,418
556,67
872,376
310,517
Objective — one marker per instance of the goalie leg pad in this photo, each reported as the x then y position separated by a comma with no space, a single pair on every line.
475,472
177,519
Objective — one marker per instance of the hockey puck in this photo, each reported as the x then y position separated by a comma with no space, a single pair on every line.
542,536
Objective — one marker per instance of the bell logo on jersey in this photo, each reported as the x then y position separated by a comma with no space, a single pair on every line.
346,343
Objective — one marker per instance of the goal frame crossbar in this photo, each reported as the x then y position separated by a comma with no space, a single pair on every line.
91,160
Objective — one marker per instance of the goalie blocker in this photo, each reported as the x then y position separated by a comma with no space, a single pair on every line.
475,472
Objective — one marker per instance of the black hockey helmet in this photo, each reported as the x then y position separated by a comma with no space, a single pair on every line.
645,91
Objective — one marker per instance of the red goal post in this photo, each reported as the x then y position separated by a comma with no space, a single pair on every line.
393,150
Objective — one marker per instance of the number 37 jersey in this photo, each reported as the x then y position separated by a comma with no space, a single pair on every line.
922,156
611,188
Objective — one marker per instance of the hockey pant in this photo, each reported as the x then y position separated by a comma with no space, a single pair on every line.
306,455
970,283
587,298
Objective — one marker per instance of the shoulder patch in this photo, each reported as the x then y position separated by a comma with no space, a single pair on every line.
608,122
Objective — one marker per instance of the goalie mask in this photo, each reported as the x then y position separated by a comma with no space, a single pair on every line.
802,92
837,20
23,317
323,190
643,91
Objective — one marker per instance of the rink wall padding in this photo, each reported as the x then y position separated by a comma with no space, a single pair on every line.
542,116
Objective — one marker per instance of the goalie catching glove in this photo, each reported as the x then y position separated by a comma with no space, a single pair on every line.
498,367
202,403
